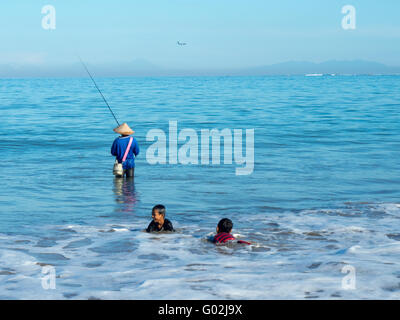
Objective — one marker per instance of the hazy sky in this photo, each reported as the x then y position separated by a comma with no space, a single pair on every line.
218,33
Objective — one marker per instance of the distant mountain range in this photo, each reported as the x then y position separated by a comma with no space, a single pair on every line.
142,67
328,67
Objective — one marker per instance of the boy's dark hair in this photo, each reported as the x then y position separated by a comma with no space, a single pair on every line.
225,225
160,208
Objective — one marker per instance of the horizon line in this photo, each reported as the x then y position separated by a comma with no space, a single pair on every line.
309,75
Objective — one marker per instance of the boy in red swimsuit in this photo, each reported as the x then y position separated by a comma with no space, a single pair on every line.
224,230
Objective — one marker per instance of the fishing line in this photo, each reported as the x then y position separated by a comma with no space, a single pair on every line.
87,70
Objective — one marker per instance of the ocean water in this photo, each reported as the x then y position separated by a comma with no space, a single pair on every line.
323,197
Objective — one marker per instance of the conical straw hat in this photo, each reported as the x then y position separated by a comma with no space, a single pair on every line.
124,129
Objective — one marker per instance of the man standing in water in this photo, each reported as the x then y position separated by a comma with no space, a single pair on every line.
125,148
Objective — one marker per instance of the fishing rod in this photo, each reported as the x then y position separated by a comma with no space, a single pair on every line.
87,70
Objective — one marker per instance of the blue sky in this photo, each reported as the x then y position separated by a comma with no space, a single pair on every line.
218,33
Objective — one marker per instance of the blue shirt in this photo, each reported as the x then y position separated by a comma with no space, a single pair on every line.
118,150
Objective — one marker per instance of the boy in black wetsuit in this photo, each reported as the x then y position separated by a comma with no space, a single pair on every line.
159,222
